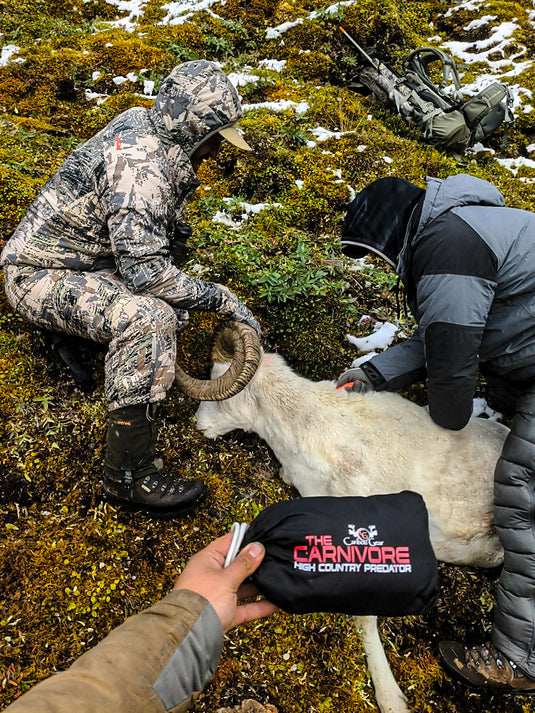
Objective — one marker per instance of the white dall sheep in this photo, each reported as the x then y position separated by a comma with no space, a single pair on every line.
335,442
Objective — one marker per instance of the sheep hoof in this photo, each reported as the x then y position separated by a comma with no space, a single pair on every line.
394,703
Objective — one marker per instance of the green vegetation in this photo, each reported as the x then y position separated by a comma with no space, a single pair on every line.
72,567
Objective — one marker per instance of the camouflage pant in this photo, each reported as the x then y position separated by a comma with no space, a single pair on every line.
140,330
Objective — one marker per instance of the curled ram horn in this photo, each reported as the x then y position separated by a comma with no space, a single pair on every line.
234,342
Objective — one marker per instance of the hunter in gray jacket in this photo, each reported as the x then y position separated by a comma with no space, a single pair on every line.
468,266
95,257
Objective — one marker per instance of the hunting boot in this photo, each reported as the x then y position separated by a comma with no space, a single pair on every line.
485,667
131,476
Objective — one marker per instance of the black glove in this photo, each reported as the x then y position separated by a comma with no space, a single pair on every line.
355,380
178,247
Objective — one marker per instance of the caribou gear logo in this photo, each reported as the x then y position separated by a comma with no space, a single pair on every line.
361,535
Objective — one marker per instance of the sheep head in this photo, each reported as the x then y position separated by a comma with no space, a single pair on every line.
215,418
234,342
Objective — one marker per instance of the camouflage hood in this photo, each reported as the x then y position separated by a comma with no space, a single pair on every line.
195,101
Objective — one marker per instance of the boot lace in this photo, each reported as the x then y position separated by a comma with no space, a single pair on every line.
164,482
488,656
484,655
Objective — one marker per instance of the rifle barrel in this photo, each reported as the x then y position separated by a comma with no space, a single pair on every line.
373,62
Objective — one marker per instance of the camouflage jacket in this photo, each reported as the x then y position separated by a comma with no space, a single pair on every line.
114,202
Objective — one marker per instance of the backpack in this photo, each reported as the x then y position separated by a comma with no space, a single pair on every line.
444,118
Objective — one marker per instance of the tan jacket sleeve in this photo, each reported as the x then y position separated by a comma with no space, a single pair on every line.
156,661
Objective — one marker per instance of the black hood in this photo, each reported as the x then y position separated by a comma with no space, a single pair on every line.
377,219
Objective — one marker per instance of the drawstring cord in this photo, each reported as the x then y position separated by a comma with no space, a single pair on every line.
401,299
398,306
405,302
238,533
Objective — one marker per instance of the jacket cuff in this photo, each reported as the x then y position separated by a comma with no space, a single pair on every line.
193,662
375,377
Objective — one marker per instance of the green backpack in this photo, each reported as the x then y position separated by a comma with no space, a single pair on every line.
438,111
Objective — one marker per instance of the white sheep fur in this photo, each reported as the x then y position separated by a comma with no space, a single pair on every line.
336,442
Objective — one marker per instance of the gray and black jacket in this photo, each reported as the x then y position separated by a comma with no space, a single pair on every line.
468,264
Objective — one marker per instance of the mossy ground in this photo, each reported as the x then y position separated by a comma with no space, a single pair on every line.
72,567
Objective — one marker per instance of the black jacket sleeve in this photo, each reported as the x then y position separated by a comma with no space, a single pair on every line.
455,273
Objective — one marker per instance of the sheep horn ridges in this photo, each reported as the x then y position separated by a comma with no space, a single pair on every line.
234,342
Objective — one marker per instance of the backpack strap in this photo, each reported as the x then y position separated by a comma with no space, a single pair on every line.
418,62
424,111
509,118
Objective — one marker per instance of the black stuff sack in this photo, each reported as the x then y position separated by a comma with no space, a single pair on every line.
350,555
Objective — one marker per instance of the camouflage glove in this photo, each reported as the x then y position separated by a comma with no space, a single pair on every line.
182,318
356,380
232,307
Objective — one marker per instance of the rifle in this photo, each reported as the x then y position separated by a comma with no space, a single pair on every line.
374,63
447,122
382,81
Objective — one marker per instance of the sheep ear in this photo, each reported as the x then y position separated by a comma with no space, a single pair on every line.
234,342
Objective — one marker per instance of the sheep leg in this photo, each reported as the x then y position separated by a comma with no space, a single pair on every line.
388,695
283,477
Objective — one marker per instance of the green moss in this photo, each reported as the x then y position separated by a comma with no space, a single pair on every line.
30,150
310,66
16,193
254,16
182,42
71,566
99,115
388,27
118,53
453,23
23,21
